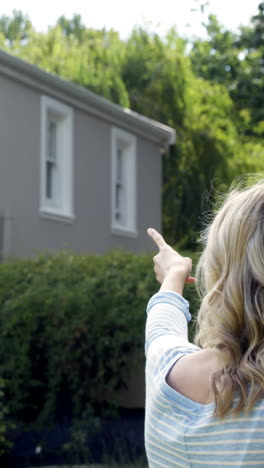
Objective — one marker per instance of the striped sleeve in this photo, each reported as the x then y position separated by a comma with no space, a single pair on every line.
167,326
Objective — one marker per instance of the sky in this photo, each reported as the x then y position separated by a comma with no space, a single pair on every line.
122,15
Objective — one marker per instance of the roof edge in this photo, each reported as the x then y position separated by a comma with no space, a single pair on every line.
19,69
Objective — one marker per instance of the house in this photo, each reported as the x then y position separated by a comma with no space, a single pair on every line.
76,170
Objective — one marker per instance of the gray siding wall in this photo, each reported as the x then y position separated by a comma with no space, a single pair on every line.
20,181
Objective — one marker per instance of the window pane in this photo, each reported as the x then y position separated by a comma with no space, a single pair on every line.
120,187
52,137
119,165
119,193
117,201
49,179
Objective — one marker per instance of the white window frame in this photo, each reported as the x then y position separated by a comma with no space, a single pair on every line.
60,205
127,144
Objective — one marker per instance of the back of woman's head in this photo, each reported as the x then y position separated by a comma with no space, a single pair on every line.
230,277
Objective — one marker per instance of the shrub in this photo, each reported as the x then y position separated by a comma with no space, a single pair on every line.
68,326
4,425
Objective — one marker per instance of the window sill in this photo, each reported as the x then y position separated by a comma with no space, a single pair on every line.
123,232
56,216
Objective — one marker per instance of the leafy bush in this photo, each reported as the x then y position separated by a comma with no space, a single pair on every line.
69,326
5,444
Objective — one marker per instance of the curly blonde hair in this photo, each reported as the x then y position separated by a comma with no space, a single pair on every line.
230,280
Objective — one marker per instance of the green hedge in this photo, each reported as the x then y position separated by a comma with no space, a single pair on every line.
5,426
68,324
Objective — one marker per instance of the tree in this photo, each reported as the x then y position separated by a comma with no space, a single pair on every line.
237,61
91,58
16,28
216,58
161,84
72,26
249,92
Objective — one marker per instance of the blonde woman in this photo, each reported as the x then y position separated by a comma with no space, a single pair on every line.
204,401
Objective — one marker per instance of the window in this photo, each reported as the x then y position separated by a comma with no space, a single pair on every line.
56,159
123,186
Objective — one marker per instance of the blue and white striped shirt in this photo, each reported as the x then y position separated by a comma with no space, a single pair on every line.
180,432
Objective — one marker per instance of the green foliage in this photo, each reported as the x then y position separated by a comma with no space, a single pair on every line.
67,326
72,329
77,450
93,59
5,426
15,29
236,61
249,90
72,27
162,85
216,58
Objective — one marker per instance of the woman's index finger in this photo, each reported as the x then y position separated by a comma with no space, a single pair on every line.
156,237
